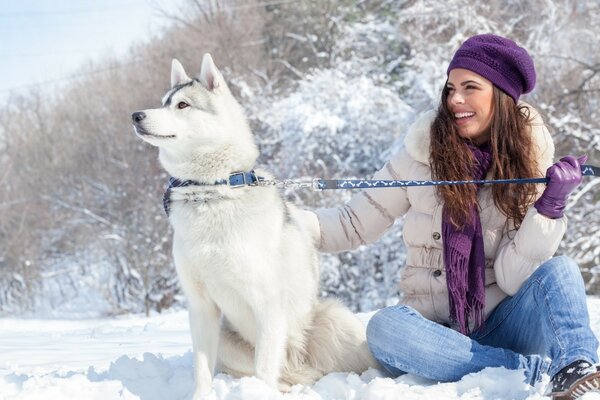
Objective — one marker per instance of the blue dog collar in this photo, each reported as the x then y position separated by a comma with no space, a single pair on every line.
235,180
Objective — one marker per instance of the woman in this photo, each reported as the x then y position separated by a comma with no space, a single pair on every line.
480,287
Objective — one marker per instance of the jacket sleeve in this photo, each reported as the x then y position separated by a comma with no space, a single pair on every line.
365,217
522,251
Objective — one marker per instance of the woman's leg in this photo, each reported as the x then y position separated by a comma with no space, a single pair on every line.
547,316
403,341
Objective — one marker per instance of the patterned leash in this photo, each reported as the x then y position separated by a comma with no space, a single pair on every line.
325,184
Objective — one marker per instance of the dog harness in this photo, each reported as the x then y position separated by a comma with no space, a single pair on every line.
235,180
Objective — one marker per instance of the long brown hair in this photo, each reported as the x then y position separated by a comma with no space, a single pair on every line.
512,157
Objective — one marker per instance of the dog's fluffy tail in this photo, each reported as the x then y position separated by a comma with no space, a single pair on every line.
336,341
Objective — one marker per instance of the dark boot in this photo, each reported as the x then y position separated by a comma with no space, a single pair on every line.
575,380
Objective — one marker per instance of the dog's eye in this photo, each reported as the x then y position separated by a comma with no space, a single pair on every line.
182,104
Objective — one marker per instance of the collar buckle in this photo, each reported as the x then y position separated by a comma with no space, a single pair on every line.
239,179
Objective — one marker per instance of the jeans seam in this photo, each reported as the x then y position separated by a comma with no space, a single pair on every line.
561,346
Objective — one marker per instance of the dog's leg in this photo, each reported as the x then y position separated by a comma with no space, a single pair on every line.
204,318
271,340
205,326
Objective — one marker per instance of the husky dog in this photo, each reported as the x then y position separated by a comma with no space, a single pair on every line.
246,262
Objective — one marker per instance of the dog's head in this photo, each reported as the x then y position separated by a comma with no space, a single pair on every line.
200,129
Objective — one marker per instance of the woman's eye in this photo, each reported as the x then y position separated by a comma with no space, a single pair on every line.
182,104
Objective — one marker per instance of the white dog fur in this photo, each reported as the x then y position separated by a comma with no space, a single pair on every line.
246,261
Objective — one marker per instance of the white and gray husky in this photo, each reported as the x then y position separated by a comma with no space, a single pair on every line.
246,262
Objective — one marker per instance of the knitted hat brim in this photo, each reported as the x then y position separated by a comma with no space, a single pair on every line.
487,72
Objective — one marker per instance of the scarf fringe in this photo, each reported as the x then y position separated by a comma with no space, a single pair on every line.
456,278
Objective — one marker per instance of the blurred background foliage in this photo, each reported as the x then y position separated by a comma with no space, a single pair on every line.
329,88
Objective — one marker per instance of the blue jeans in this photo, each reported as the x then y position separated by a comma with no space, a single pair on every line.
541,329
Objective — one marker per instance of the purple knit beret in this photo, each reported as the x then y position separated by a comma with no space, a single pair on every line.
499,60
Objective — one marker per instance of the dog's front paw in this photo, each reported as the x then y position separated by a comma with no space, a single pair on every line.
270,379
201,392
203,388
284,387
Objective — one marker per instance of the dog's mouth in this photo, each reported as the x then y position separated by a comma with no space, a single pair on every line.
144,133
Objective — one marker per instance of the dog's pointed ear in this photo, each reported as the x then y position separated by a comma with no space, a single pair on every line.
210,76
178,75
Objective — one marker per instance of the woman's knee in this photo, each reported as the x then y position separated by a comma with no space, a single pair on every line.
387,324
374,327
560,268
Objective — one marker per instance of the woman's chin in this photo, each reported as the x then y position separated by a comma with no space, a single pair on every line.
477,138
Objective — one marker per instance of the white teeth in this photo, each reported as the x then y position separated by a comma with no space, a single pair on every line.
463,115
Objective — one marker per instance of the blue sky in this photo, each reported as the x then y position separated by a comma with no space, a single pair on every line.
46,40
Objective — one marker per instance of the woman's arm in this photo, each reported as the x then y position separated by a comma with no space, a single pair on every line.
542,229
365,217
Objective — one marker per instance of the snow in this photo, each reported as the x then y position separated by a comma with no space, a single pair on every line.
136,357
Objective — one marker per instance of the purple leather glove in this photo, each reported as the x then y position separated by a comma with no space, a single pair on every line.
563,177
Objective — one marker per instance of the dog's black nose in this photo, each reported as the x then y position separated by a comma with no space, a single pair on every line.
138,116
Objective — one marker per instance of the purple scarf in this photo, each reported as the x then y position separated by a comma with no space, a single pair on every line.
464,257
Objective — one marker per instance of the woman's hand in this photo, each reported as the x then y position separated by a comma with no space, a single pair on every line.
563,178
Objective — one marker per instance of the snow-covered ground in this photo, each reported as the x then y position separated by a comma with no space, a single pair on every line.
149,358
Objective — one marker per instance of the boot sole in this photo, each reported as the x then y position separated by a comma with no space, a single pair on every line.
587,384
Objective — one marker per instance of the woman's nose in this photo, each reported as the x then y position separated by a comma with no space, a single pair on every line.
456,98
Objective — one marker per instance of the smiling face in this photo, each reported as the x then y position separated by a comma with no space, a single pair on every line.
471,103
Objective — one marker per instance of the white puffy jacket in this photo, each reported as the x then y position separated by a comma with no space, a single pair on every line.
511,256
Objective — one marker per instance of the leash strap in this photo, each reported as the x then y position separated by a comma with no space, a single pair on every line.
241,179
324,184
